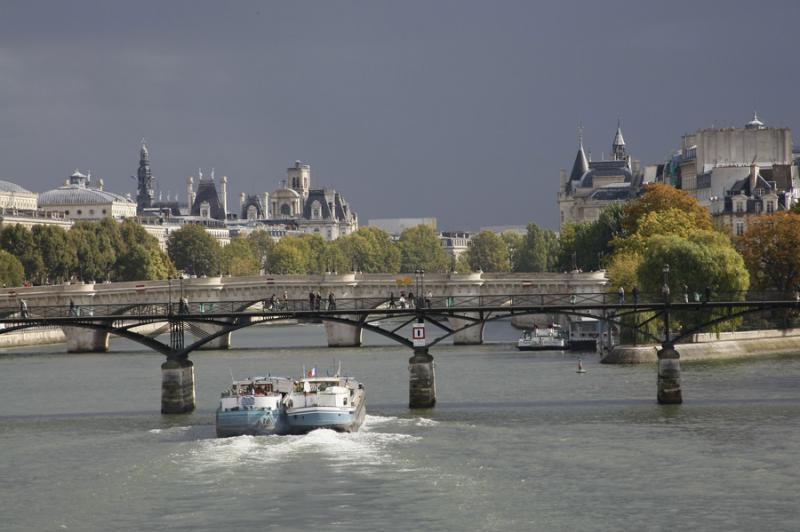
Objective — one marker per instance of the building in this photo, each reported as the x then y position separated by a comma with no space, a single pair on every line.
455,243
14,198
593,185
737,173
395,226
319,211
78,199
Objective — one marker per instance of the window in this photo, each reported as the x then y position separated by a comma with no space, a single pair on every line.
91,211
66,213
286,210
770,207
104,211
316,210
80,212
739,206
739,228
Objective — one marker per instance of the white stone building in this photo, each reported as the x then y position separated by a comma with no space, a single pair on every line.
14,198
77,199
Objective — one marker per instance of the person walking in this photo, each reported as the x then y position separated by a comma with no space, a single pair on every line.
331,301
428,299
285,300
317,301
23,308
391,300
411,301
621,294
635,293
311,300
685,293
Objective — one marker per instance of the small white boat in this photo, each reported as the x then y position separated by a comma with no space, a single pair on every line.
253,406
337,403
541,339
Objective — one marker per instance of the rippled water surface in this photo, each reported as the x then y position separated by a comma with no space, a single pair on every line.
518,441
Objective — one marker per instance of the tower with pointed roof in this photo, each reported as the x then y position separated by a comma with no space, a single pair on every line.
581,164
618,150
145,193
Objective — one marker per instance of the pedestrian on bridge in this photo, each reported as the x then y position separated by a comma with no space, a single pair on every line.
311,299
285,300
23,308
331,301
685,293
635,293
391,300
621,294
71,307
317,301
428,299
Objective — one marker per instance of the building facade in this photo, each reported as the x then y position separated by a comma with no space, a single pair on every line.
593,185
79,199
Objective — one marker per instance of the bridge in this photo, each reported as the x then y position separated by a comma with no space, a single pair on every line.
452,316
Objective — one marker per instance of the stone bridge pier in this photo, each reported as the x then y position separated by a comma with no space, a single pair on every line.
471,336
177,386
669,376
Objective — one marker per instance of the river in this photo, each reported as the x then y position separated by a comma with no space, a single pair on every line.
517,441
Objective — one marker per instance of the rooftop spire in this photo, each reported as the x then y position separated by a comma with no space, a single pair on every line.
618,140
581,165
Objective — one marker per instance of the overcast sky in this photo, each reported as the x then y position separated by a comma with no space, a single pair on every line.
464,111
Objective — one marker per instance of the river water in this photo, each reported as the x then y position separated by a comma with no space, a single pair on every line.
518,441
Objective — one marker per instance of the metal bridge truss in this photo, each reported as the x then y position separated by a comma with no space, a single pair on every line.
208,321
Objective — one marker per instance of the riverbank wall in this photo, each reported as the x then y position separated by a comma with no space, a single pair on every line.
712,346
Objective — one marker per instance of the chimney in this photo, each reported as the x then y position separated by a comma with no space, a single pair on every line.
225,195
189,192
753,177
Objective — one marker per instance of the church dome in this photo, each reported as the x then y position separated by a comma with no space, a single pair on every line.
755,123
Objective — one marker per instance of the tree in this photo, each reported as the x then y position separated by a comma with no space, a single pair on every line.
288,258
262,244
140,256
661,197
58,256
238,258
514,242
420,248
703,260
538,250
369,250
18,241
194,251
488,252
664,222
96,253
771,251
11,271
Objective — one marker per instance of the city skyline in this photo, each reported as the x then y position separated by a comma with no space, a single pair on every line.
461,111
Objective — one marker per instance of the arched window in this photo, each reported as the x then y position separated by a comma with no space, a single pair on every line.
286,210
316,211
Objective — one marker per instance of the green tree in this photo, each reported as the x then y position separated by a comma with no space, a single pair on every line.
11,271
139,256
288,257
420,248
532,256
96,253
262,245
369,250
18,241
488,252
58,255
194,251
514,242
238,258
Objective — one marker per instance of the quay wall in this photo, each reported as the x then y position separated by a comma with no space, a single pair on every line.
52,335
729,346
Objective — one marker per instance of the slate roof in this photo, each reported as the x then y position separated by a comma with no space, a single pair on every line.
207,191
7,186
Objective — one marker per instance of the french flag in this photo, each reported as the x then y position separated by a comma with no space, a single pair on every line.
312,372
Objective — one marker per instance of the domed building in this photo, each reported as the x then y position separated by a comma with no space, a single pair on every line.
14,198
77,199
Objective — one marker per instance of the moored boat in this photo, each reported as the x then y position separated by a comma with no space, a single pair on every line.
253,406
542,339
337,403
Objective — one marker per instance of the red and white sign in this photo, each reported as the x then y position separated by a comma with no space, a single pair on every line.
418,334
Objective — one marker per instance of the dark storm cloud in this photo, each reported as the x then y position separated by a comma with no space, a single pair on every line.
461,110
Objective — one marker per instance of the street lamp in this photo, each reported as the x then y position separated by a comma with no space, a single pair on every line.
419,276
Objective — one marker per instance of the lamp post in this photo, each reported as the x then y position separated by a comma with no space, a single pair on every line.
665,293
419,277
169,294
